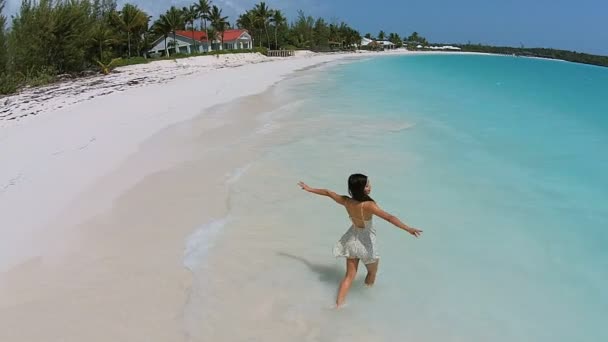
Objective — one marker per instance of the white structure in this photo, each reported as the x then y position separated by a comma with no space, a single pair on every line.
446,47
387,45
366,41
184,42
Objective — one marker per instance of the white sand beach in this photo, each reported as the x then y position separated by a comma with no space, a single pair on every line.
92,242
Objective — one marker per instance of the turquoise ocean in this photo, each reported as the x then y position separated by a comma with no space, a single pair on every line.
502,161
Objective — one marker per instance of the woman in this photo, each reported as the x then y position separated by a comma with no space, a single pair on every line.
359,241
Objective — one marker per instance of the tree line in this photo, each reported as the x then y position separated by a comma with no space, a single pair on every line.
570,56
270,28
47,38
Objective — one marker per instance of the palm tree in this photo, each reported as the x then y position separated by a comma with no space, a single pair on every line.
245,21
354,37
203,8
347,36
278,20
264,14
158,30
190,15
130,19
414,37
393,38
381,35
161,27
102,36
147,36
218,22
249,21
174,20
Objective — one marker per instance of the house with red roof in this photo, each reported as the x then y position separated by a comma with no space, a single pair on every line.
196,41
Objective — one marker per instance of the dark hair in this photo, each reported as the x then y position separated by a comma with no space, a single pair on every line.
356,187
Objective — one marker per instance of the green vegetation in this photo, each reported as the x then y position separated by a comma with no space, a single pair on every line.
131,20
395,39
3,45
106,68
47,38
270,28
203,8
570,56
219,23
414,40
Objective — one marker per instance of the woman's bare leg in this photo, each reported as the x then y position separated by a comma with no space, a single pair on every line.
351,272
372,270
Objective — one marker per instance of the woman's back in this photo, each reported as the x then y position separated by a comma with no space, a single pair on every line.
357,213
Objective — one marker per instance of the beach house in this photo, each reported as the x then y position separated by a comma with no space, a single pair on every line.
387,45
196,41
366,41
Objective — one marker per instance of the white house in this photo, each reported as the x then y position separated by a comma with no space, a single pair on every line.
184,42
366,41
387,45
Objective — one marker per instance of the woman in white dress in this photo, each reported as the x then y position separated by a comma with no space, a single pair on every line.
359,241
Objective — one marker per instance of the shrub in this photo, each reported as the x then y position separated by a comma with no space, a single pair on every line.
10,83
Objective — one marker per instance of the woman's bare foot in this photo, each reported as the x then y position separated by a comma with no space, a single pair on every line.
372,270
369,280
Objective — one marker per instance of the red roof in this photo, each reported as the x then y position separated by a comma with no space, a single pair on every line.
202,36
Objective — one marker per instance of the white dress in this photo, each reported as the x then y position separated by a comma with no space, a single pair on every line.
358,242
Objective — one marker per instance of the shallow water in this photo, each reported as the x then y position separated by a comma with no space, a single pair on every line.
501,161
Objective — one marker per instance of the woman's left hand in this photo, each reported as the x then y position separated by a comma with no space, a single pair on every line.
414,231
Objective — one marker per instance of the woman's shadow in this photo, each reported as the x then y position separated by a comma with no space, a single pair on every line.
326,273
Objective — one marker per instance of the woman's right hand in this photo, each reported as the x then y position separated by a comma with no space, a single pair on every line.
304,186
414,231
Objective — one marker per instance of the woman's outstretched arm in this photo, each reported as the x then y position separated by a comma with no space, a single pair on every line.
375,209
324,192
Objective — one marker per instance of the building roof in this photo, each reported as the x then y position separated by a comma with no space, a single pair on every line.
365,41
202,35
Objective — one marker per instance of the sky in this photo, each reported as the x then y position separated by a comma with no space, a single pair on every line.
580,25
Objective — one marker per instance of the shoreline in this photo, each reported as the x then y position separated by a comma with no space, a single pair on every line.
33,101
